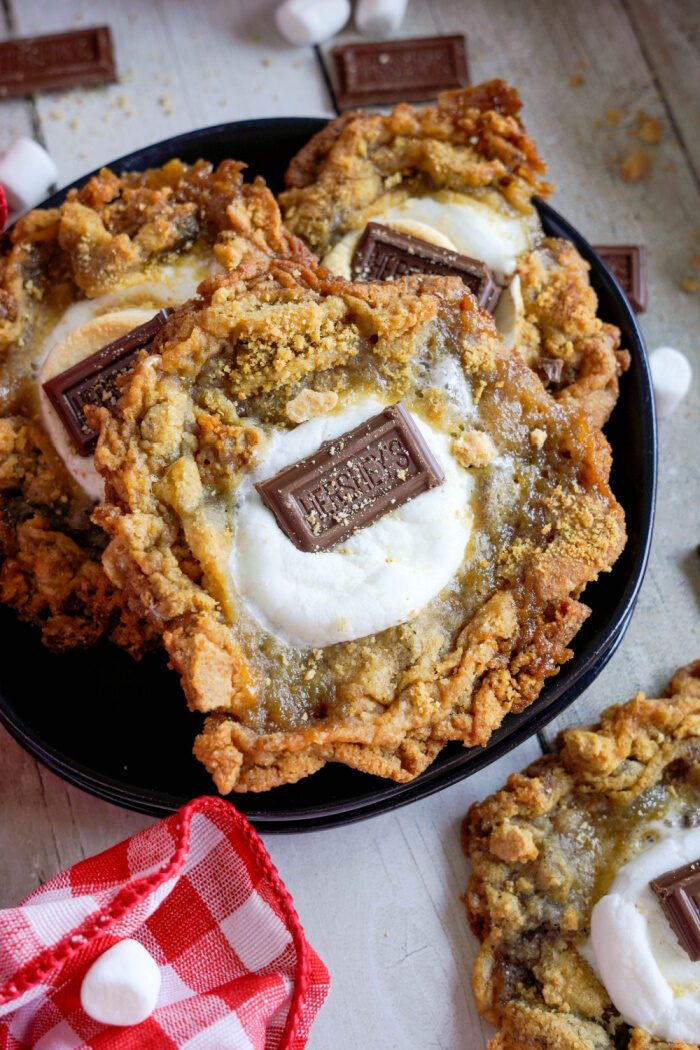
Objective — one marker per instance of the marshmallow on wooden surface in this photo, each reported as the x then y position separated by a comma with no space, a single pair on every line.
379,17
122,986
671,375
27,172
311,21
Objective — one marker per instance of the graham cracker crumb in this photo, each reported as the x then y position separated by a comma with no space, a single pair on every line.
649,129
635,166
474,448
310,403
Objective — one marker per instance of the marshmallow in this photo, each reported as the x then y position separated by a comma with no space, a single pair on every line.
122,986
381,576
496,235
27,172
671,375
311,21
379,17
510,313
636,954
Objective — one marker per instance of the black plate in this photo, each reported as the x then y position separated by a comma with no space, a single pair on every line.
121,730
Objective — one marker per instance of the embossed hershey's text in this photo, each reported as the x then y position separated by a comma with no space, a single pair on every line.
354,485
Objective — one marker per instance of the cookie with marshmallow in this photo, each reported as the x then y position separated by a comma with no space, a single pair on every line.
577,950
461,174
347,514
75,279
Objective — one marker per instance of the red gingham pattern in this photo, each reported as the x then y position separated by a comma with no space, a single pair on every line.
3,208
201,894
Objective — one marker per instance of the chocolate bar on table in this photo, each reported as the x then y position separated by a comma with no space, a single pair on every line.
679,894
628,265
95,381
59,60
352,481
411,70
383,253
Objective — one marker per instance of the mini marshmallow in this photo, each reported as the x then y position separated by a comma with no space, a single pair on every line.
671,375
379,18
122,986
311,21
27,172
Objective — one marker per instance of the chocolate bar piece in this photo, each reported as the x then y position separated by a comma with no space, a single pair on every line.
352,480
61,60
628,265
383,253
679,894
95,381
398,70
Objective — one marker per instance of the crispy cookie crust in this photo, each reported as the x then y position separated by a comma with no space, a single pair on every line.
546,847
183,438
114,227
472,140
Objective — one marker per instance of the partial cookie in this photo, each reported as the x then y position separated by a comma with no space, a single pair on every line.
590,827
461,175
73,279
426,625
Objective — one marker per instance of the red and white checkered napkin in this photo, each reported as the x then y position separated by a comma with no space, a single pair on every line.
201,894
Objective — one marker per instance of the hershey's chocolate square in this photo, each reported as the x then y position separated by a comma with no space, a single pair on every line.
58,60
628,265
679,894
410,70
352,481
383,253
94,381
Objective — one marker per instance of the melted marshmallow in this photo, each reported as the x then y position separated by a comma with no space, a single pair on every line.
510,313
77,344
90,324
496,236
647,974
381,576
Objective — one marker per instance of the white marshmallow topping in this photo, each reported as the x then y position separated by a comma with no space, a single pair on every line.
633,949
379,577
90,324
465,224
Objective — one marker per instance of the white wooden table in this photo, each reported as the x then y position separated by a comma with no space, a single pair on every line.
380,900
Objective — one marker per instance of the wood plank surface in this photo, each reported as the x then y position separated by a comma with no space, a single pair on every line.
669,35
380,900
181,66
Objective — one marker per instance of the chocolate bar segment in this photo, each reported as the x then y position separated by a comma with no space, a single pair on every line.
352,481
95,381
398,70
628,265
61,60
383,254
679,894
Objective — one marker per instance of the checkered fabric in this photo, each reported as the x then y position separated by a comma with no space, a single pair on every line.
201,894
3,209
